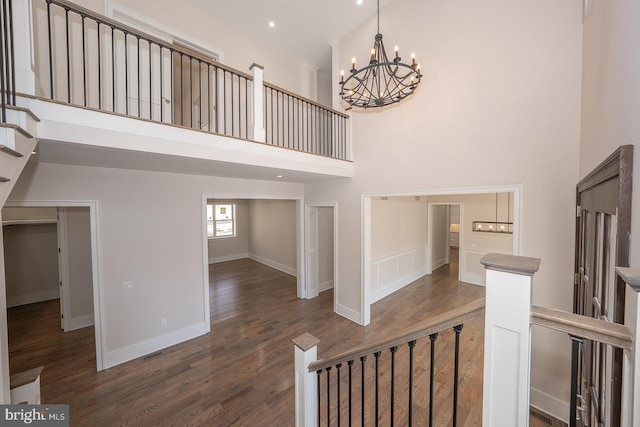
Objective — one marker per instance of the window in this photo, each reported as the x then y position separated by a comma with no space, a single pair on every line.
221,220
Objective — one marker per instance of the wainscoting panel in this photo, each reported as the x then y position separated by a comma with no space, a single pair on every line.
394,272
471,270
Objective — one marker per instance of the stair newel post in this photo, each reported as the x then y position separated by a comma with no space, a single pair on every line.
630,413
257,131
306,351
25,79
507,342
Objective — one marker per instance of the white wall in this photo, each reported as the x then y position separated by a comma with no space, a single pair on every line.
398,243
610,101
272,234
499,105
31,262
237,247
439,240
150,231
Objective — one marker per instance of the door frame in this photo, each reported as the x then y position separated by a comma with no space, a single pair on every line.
430,206
93,225
308,293
365,283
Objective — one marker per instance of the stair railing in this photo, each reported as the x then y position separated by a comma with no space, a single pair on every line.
319,398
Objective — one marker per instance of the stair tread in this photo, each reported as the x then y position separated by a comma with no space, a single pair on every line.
26,110
17,128
10,151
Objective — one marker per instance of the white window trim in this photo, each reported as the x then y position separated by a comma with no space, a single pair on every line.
235,221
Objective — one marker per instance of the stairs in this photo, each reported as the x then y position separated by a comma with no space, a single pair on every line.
17,142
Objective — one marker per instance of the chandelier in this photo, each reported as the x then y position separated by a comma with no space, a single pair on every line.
381,82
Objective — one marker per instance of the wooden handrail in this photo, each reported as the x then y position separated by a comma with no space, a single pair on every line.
135,32
582,326
307,100
451,318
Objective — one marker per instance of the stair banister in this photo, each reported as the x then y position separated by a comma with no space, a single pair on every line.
257,129
631,360
507,339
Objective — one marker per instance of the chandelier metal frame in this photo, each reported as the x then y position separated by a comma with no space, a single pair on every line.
382,82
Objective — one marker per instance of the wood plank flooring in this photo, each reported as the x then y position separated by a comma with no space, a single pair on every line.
242,372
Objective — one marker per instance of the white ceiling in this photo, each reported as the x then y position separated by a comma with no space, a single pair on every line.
304,28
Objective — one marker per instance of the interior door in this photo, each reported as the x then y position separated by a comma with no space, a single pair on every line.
312,252
603,226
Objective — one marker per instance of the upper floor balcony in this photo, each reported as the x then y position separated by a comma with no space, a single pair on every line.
108,94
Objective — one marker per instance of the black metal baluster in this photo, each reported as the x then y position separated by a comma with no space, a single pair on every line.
272,126
412,344
350,363
151,82
84,61
457,330
246,108
138,76
319,374
233,121
50,48
99,66
190,90
12,60
393,378
338,366
363,359
433,338
113,69
328,395
239,109
181,89
209,97
377,356
200,93
161,66
3,59
68,56
215,110
224,99
126,74
575,358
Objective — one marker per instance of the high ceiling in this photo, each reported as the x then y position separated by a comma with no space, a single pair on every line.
303,28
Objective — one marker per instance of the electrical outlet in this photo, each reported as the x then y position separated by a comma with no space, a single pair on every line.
163,322
127,286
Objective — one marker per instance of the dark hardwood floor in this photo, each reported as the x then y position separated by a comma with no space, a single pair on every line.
242,372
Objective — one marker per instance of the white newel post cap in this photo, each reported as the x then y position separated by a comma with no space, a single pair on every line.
511,264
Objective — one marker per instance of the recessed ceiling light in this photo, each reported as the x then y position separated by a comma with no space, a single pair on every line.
359,2
272,24
279,176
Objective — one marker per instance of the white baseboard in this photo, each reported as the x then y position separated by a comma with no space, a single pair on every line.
224,258
143,348
438,263
274,264
378,294
550,405
325,286
474,279
349,313
34,297
79,322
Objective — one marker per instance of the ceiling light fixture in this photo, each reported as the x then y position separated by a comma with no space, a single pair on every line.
272,24
381,82
359,2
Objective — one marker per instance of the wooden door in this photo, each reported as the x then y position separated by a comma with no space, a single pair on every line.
603,228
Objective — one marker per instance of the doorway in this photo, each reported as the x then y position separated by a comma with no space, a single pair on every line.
83,296
444,236
320,250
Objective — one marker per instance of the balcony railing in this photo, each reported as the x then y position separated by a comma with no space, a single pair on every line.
7,59
99,63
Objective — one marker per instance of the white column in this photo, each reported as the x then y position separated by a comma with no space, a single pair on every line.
630,415
306,351
257,108
507,339
23,47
